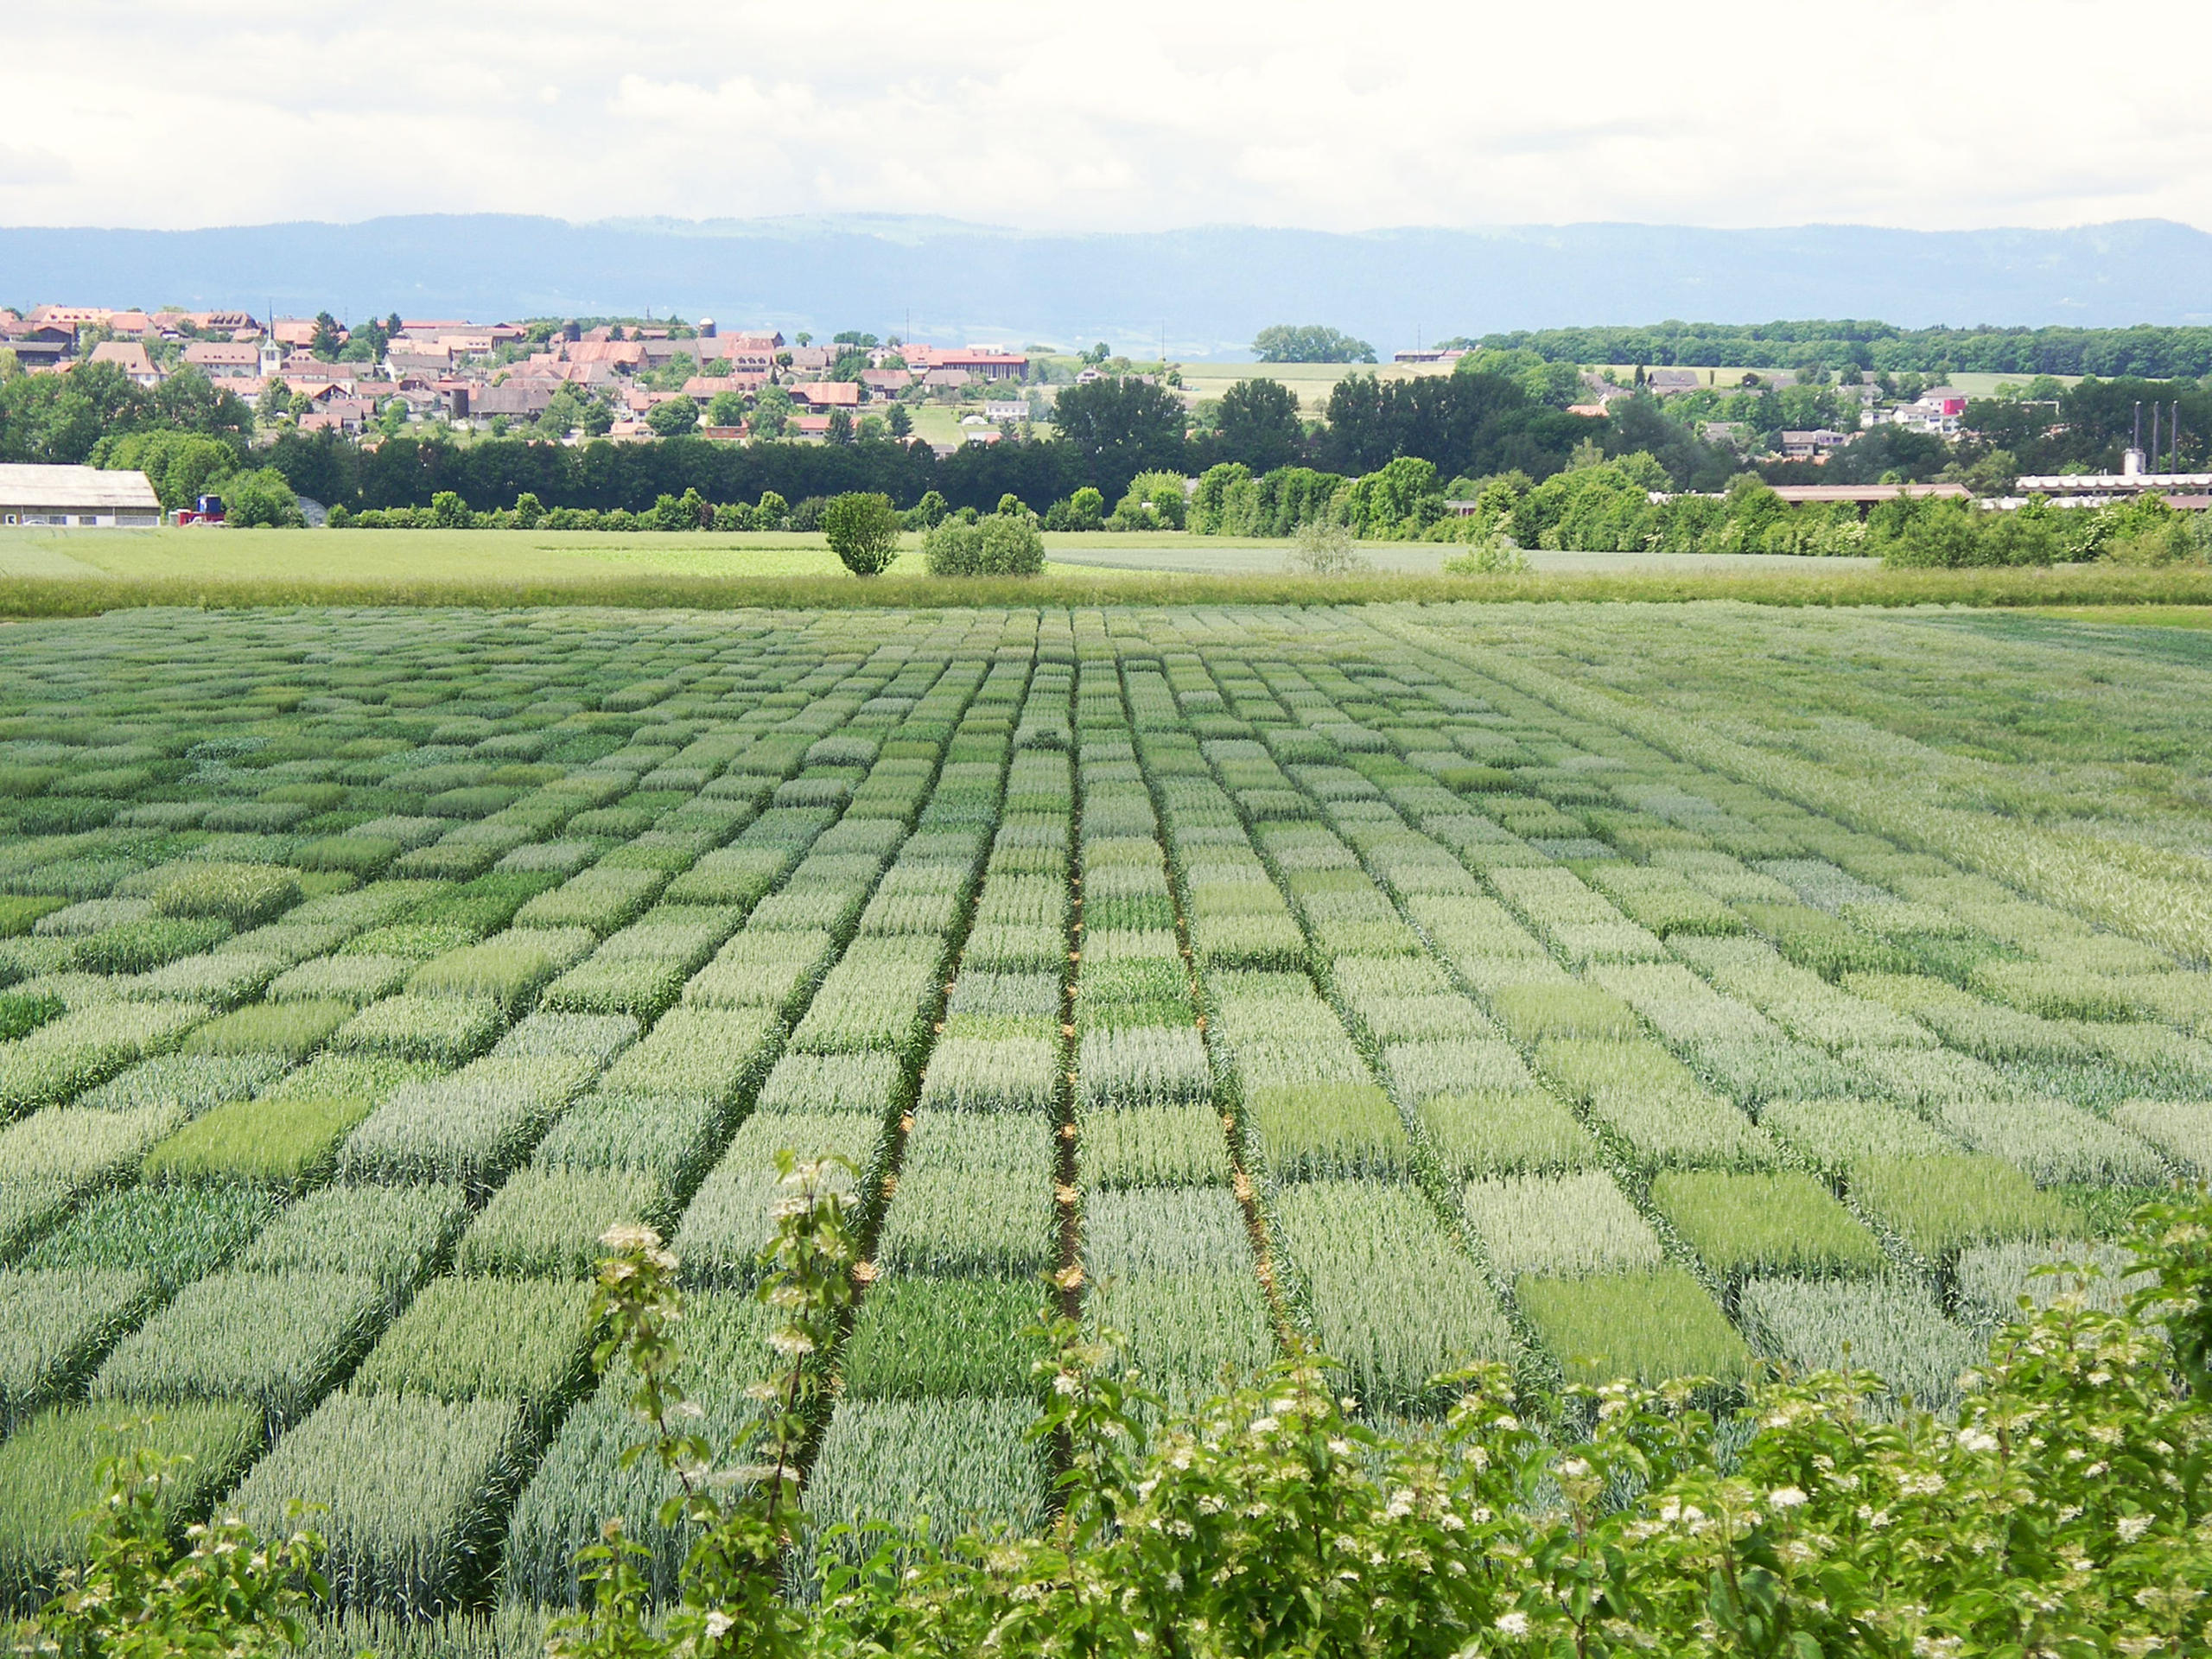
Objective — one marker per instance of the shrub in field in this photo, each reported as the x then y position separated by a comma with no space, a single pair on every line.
173,1234
1647,1325
409,1491
1561,1226
1893,1329
548,1221
53,1327
941,1339
518,1340
1782,1221
395,1235
442,1028
1389,1298
51,1485
286,1142
1940,1205
276,1339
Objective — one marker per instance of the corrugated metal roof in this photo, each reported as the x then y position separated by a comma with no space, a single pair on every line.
76,489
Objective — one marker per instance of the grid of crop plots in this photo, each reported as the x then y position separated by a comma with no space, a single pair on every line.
1240,975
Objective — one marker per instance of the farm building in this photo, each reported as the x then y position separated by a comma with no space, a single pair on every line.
81,497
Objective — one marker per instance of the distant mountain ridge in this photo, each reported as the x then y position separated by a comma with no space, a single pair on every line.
1206,290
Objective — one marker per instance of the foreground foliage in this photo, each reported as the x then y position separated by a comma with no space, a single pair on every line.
2062,1511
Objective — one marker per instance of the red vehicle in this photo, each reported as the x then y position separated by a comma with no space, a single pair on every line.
207,510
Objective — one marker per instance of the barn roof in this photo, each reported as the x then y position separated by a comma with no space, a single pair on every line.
76,488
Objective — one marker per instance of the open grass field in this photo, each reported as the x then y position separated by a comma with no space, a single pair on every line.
1312,382
1602,988
47,573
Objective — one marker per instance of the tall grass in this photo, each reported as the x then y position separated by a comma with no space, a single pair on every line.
408,1491
276,1339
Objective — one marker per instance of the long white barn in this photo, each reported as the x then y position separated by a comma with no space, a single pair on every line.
78,496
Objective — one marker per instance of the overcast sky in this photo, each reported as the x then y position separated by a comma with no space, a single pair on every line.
1042,114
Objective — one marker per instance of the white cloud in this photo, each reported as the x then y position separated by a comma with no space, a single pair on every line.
1732,112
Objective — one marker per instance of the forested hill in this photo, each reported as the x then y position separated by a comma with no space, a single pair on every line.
1208,290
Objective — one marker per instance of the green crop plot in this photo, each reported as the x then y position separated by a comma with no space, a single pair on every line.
1597,988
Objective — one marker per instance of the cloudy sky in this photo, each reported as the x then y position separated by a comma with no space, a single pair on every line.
1923,113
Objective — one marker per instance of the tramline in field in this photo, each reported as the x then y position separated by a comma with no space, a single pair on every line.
1430,983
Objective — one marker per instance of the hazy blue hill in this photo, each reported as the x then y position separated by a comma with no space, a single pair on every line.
1210,288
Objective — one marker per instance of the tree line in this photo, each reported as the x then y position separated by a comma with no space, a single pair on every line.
2144,351
1107,434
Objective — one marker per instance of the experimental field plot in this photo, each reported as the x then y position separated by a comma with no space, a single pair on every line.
1429,984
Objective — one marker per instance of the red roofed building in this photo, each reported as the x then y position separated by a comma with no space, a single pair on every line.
828,394
218,358
130,356
705,388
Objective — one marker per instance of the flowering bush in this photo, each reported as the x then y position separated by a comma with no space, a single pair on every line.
2063,1510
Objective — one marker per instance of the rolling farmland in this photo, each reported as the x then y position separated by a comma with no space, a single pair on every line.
1602,990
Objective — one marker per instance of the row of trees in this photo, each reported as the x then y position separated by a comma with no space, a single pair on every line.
2143,351
1107,434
